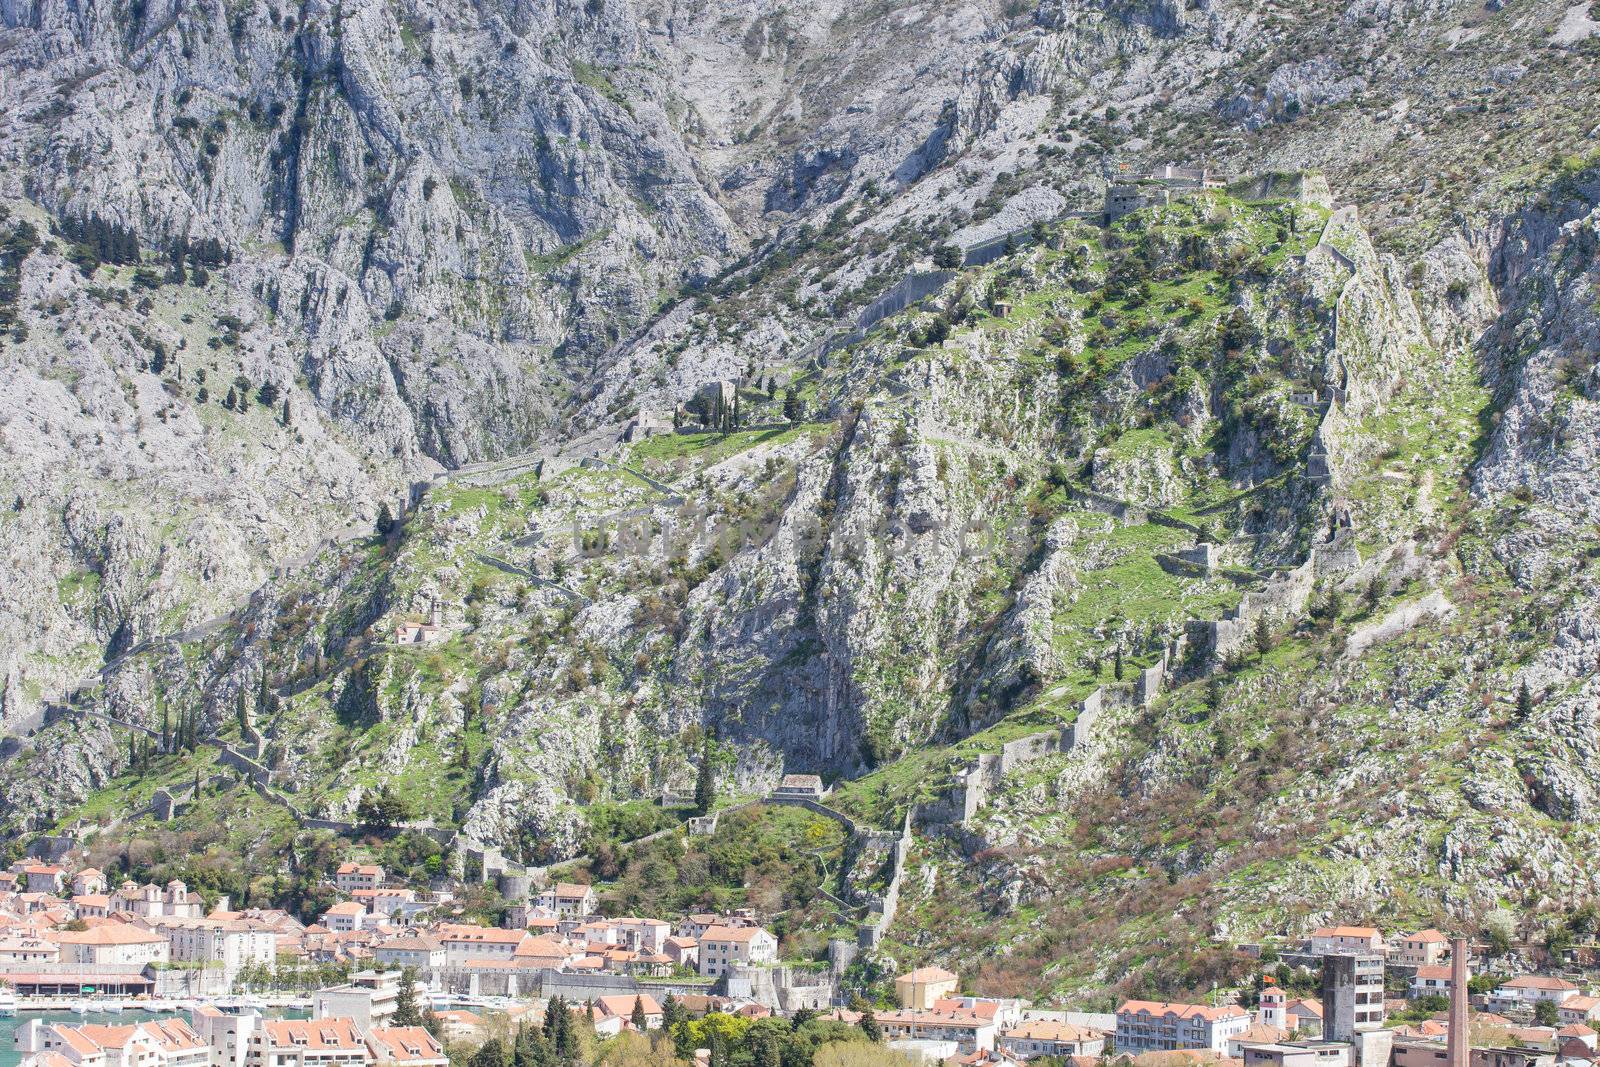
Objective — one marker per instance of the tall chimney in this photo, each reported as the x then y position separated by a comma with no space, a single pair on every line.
1458,1044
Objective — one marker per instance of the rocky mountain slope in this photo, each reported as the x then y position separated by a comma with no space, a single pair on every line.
371,241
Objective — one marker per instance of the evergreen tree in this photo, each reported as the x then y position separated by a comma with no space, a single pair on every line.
386,522
869,1026
791,405
531,1049
553,1012
672,1012
764,1050
1524,702
406,1012
229,401
705,782
492,1053
567,1047
1263,636
285,418
1116,663
638,1018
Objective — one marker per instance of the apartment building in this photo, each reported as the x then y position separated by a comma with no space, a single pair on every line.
1158,1026
307,1043
722,947
405,1046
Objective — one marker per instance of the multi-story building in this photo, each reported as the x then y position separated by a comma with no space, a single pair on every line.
344,917
1330,940
474,944
1578,1009
307,1043
226,1034
232,944
405,1046
111,943
722,947
919,989
1425,948
370,999
682,951
642,935
1529,990
1431,980
35,877
91,905
28,949
162,1043
568,900
1297,1054
88,882
1046,1037
1157,1026
353,876
968,1030
422,951
1352,995
386,901
150,901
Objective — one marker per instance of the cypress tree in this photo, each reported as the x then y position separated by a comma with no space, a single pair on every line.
638,1018
1524,702
705,782
406,1012
870,1027
567,1042
552,1014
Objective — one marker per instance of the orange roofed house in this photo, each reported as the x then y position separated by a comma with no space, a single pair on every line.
1046,1037
111,943
167,1043
1157,1026
722,947
1425,948
1529,990
352,876
568,900
1339,940
921,988
405,1046
1579,1009
307,1043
